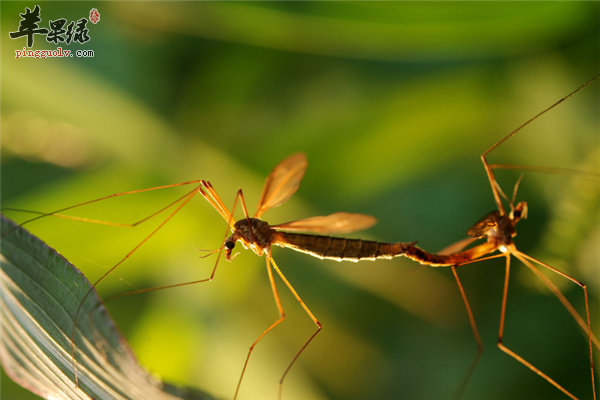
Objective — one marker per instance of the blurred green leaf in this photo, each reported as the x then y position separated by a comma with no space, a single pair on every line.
395,31
40,295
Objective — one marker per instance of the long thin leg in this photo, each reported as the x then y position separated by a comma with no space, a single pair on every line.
473,364
273,325
538,115
489,169
273,287
184,202
462,387
208,192
584,326
310,314
229,220
512,353
548,170
213,198
204,187
525,259
57,212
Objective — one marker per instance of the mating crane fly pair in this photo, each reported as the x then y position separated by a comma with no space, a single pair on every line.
497,227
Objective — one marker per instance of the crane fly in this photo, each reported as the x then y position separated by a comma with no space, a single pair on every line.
257,235
498,228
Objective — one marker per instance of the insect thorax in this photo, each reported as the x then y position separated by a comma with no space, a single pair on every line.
260,236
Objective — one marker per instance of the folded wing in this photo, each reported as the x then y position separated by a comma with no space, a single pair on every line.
282,183
340,222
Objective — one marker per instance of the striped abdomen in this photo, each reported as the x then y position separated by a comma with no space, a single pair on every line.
438,260
339,249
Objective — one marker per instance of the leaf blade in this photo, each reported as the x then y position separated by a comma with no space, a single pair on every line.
40,292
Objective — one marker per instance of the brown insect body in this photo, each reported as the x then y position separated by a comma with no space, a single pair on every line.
257,235
499,229
340,249
253,233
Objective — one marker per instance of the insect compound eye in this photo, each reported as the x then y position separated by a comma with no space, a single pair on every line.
229,244
520,211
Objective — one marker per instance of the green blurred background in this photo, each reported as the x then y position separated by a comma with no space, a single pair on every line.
393,103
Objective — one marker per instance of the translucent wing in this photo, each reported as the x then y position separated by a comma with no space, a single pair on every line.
282,183
484,224
339,222
456,247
